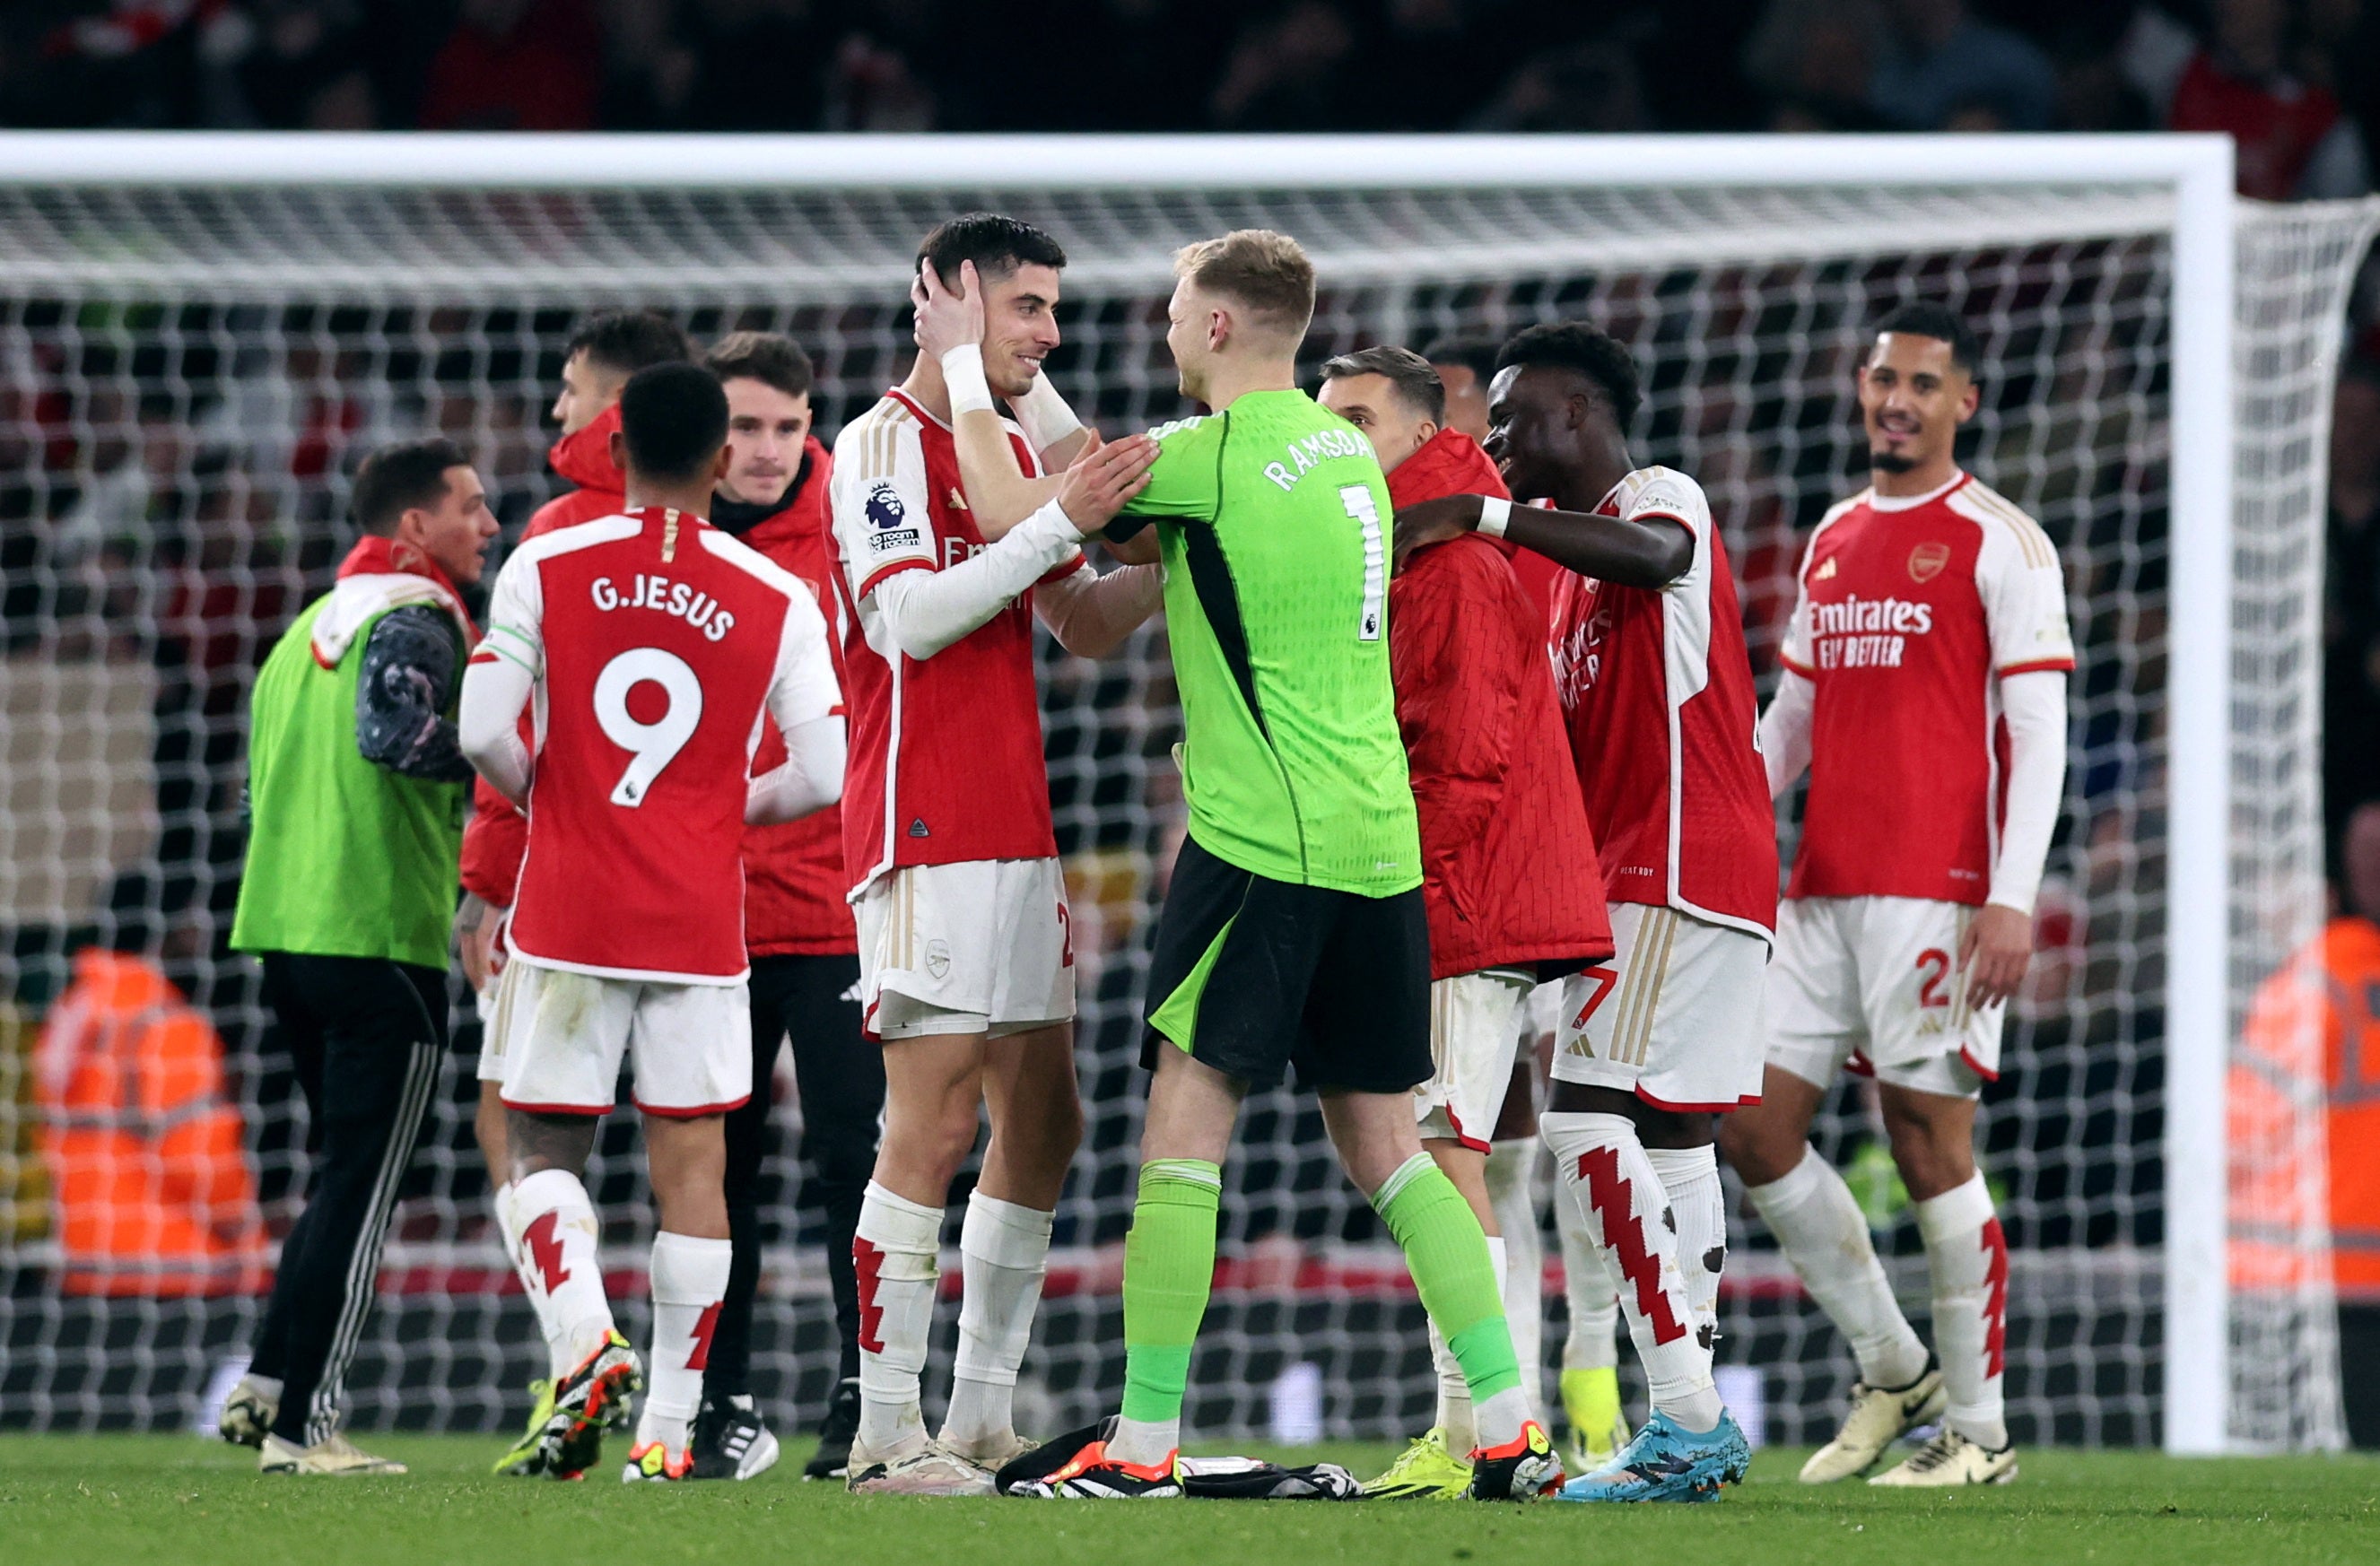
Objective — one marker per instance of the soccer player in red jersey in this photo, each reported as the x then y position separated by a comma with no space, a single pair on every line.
1510,885
650,644
599,358
1925,691
797,928
1650,663
965,955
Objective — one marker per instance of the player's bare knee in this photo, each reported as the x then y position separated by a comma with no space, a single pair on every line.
540,1142
1761,1148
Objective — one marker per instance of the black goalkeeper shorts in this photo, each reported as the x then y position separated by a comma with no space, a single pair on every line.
1253,975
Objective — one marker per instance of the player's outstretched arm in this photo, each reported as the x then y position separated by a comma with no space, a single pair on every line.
1000,495
1091,614
809,779
1650,552
925,611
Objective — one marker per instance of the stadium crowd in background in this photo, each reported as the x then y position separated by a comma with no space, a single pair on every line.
2297,80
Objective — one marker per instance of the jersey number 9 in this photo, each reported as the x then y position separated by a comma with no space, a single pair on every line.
653,746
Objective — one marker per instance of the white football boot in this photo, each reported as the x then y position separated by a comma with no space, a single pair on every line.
1950,1459
927,1467
335,1458
248,1414
1877,1417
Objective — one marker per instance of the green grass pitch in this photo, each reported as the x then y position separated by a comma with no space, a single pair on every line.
138,1498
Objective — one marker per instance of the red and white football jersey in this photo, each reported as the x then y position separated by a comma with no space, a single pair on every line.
1663,719
1910,612
656,642
946,763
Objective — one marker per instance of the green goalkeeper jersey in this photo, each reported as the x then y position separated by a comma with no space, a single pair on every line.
1277,605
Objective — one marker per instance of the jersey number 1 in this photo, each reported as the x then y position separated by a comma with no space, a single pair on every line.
1357,499
653,746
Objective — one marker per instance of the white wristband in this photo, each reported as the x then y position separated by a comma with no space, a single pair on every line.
1495,515
963,374
1044,414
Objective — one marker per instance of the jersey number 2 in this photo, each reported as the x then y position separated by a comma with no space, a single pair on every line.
1357,499
1935,964
653,746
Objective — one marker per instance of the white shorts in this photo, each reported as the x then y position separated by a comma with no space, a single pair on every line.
565,1034
985,946
1871,985
495,1010
1673,1018
1476,1023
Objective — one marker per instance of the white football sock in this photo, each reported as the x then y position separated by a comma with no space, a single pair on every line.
1968,1256
1604,1169
895,1252
550,1231
1512,1197
1004,1251
1699,1204
689,1278
1594,1300
1454,1413
1145,1442
1499,1420
1819,1226
500,1199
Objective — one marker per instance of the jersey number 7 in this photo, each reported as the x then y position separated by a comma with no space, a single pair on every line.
653,746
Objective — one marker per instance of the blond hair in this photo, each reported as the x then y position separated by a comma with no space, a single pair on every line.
1266,273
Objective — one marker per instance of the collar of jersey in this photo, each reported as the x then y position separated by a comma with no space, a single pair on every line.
1910,502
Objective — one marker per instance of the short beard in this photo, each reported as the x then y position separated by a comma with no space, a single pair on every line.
1890,462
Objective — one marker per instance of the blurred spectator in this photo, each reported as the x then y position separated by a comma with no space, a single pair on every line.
515,64
871,86
1944,68
1594,85
2352,607
146,1152
759,65
2293,139
1816,60
1284,72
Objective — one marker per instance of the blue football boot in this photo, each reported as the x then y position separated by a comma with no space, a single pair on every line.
1667,1461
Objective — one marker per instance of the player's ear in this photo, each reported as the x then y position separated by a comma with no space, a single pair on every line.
1969,398
719,466
616,447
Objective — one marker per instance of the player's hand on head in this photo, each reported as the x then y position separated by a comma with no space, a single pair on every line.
1433,522
1106,475
1995,952
945,320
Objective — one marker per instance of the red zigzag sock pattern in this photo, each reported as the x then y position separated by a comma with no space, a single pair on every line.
867,1261
1614,1200
1995,1301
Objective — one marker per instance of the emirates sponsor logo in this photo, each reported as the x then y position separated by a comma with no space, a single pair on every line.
1926,562
1868,633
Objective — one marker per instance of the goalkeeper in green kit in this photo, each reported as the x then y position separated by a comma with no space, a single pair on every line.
1293,933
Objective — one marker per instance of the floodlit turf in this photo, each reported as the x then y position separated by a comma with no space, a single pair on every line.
138,1498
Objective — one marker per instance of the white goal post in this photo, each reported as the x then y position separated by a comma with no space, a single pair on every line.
1415,237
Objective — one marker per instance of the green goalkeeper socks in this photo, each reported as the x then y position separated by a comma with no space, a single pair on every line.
1448,1253
1169,1265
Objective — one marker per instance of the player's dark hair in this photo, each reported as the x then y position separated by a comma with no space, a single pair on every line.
1589,350
1923,318
396,479
674,417
770,357
1476,353
997,245
626,341
1416,383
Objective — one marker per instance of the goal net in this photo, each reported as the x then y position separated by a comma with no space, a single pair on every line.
192,363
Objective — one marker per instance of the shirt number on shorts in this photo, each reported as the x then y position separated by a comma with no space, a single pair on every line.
1603,978
1357,499
1935,964
653,746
